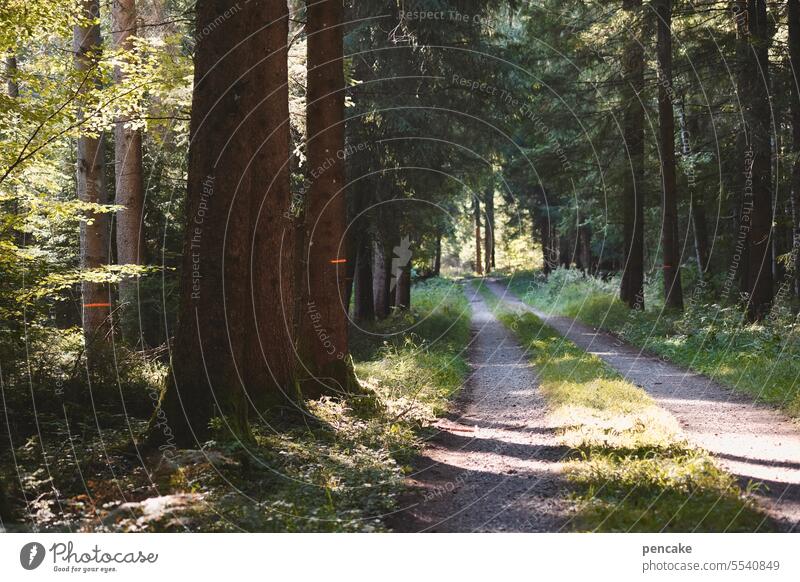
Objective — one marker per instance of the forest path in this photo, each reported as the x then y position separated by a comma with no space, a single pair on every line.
751,441
495,464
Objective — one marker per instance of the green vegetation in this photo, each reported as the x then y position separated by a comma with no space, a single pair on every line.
338,470
633,470
760,359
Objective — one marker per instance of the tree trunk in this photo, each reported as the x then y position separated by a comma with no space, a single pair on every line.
233,341
323,342
632,287
364,299
585,239
403,288
544,235
478,260
128,173
673,293
11,77
753,88
380,279
91,187
437,258
489,229
793,16
697,207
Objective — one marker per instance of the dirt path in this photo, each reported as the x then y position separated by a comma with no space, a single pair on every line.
754,442
495,465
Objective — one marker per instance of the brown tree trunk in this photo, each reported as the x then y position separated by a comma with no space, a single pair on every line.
403,288
753,87
91,187
478,260
632,287
489,229
793,16
364,299
437,258
697,207
380,279
233,341
544,234
323,341
673,293
585,243
128,173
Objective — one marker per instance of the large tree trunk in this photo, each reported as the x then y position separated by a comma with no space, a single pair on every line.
793,16
403,287
380,279
489,229
233,341
632,287
91,187
323,341
673,293
128,173
753,86
477,211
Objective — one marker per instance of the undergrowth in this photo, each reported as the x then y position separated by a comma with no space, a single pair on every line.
330,470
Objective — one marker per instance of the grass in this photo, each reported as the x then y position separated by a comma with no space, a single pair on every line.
340,470
761,360
632,469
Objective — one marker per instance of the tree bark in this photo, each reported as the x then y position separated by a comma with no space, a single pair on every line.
478,260
11,77
697,207
585,240
128,173
753,86
632,287
403,288
233,342
793,17
673,293
437,258
364,299
380,279
489,229
91,187
323,329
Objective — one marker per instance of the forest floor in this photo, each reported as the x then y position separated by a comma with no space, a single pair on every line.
760,446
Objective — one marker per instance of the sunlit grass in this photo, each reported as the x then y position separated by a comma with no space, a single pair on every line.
760,360
633,469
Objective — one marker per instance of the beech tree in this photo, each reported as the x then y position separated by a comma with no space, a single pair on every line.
128,173
91,185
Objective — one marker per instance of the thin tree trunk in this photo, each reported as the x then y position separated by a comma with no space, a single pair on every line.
585,238
11,77
323,342
632,287
489,229
380,279
478,260
697,207
128,173
673,293
544,235
364,299
753,86
233,341
403,288
793,16
91,187
437,258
